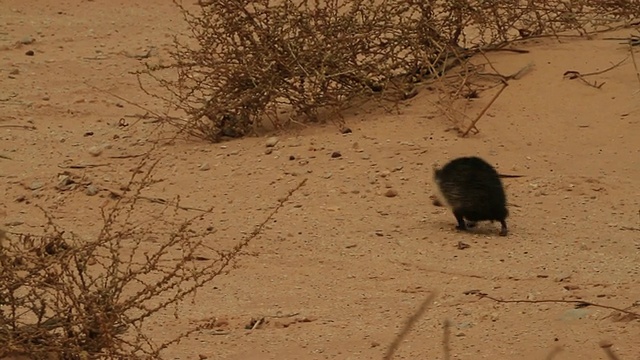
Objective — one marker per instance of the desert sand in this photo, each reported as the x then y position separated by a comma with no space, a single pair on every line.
342,266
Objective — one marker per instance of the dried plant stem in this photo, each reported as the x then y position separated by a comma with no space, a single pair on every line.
446,340
484,110
393,347
579,303
606,347
553,353
635,64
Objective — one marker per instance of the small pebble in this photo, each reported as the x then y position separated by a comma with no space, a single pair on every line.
35,185
204,167
336,154
272,141
391,193
95,150
63,182
91,190
27,40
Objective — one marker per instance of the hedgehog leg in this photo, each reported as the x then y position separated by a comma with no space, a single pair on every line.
503,230
460,218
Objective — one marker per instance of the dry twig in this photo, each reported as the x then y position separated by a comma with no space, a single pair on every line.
446,340
577,303
393,347
606,347
572,74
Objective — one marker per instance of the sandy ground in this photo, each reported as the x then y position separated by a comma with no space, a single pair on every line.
349,262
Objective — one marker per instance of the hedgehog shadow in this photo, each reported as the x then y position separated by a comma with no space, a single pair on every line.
485,228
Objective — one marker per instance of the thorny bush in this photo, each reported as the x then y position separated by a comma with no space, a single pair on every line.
290,60
64,297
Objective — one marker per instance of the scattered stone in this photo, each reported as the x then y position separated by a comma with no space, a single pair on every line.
391,193
345,130
268,151
64,182
95,150
271,142
27,40
46,98
14,72
570,287
35,185
461,245
21,198
204,167
562,278
575,314
465,324
605,344
365,156
327,175
291,157
336,154
494,316
29,53
460,334
91,190
379,233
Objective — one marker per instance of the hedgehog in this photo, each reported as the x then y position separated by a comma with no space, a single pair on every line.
472,189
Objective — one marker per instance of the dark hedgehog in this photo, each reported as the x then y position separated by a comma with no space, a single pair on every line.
472,189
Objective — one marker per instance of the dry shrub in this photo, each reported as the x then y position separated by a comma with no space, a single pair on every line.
62,297
245,62
255,58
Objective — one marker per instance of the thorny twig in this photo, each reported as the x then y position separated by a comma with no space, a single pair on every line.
572,74
577,303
